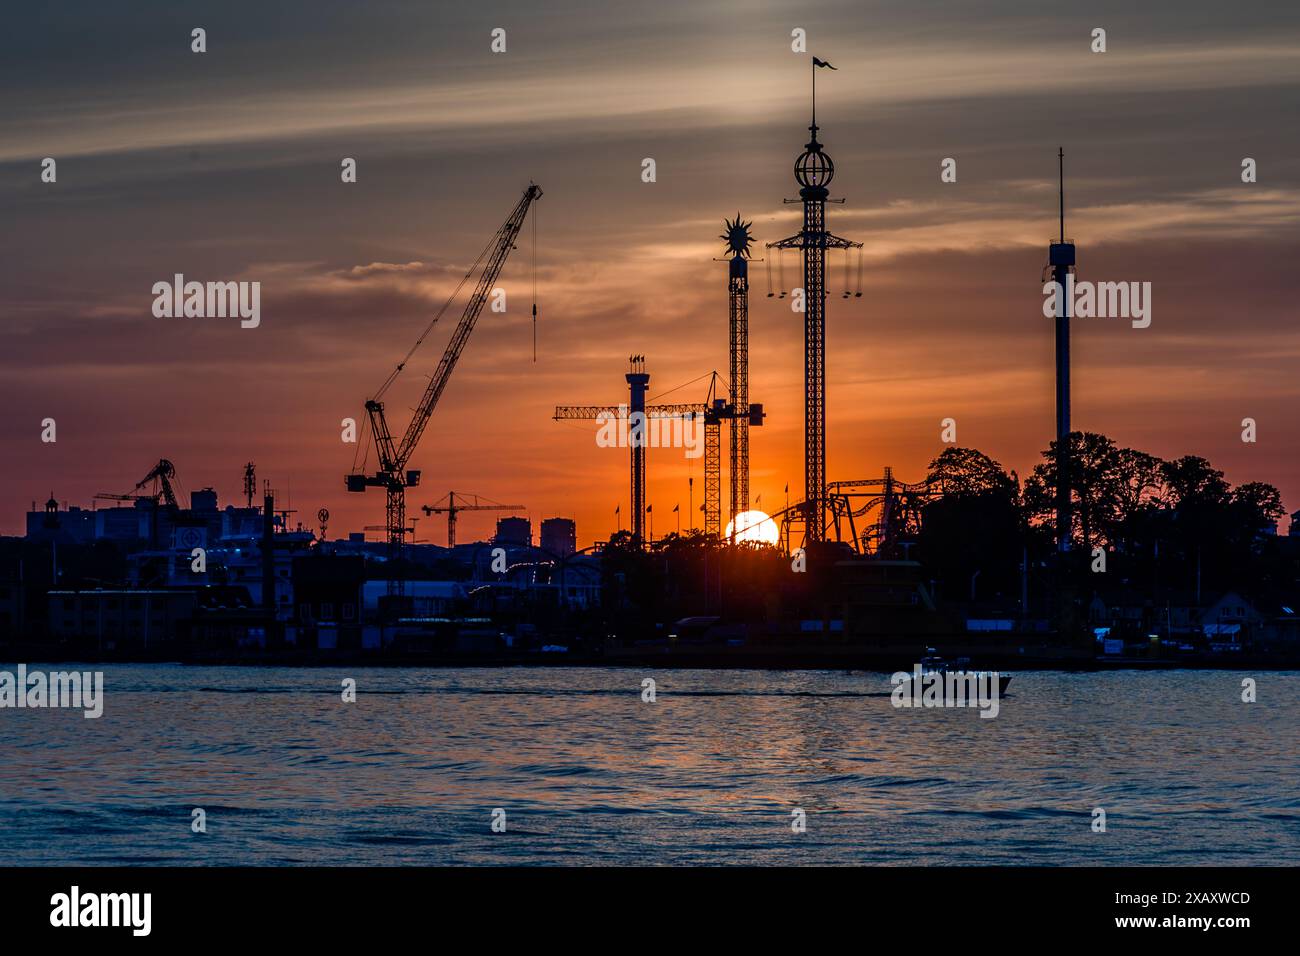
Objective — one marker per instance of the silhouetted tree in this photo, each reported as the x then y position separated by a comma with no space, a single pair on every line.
1258,506
974,527
1097,485
965,471
1194,482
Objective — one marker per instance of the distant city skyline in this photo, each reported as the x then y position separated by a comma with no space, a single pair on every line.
224,166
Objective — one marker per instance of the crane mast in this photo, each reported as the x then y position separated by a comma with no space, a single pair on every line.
451,509
711,412
392,474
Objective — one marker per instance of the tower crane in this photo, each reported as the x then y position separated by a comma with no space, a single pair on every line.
451,509
160,475
712,411
393,456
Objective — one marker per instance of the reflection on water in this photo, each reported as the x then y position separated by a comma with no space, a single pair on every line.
709,773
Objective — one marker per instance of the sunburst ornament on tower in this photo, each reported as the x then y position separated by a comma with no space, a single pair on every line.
737,236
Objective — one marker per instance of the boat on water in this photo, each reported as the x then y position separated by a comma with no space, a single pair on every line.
933,663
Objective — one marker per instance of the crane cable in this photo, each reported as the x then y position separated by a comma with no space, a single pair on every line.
534,286
434,321
362,446
677,388
401,366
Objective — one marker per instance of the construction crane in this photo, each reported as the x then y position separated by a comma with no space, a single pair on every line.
393,456
451,509
160,476
712,411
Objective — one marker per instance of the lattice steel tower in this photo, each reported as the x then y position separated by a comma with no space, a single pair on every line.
739,411
813,170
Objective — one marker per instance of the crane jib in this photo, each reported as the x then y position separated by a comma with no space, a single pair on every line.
504,242
393,455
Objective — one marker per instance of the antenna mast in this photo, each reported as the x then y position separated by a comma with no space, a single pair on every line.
1060,159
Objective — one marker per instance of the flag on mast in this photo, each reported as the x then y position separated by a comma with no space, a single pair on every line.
817,62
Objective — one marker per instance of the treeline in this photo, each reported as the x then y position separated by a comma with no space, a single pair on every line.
982,534
1162,524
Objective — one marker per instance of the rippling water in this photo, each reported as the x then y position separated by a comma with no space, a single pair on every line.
708,774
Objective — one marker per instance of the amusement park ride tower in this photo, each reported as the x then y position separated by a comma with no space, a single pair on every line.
813,170
738,410
1060,262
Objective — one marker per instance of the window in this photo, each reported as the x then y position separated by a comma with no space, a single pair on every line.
326,610
349,612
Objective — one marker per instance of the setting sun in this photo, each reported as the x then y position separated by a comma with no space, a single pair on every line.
753,526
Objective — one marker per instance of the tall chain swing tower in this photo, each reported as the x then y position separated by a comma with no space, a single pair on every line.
813,171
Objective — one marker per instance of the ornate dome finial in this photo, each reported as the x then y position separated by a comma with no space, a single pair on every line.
814,169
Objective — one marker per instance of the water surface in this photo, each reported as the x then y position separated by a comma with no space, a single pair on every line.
709,773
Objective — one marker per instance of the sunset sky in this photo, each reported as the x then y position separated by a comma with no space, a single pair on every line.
225,166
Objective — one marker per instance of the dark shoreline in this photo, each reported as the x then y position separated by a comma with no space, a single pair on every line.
657,658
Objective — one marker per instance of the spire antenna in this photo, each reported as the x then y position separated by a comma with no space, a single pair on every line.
1060,159
813,128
